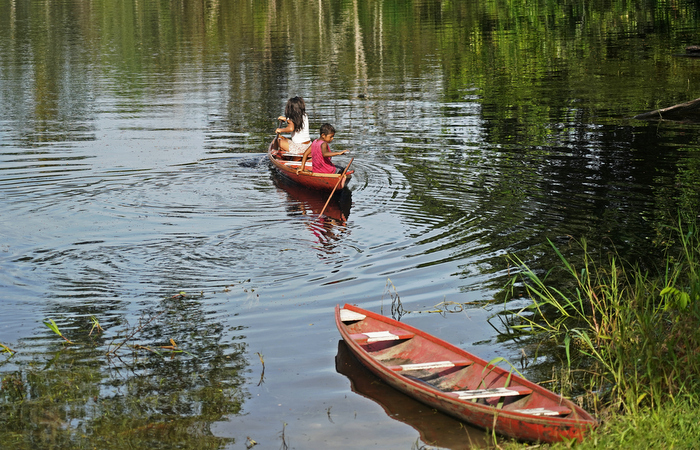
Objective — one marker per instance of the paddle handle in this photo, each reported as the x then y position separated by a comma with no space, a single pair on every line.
334,187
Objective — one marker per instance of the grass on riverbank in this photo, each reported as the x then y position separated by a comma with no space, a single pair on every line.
672,425
631,337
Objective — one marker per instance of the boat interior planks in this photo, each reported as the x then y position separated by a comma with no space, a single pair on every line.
457,382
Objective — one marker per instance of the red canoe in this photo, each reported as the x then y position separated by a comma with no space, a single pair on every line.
435,429
321,181
458,383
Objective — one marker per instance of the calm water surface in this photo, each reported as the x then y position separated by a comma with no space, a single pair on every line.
135,192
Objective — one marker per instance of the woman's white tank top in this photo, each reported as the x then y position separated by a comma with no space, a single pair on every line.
301,136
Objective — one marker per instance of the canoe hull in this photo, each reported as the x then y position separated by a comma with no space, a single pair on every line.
497,413
439,430
318,181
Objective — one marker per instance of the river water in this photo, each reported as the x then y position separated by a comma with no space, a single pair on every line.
138,211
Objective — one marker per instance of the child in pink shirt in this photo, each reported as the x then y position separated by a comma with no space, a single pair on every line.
321,153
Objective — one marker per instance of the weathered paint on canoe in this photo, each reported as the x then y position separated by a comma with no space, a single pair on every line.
523,410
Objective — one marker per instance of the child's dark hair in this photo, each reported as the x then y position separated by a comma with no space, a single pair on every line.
294,111
327,129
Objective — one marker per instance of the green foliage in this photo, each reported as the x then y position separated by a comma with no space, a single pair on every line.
636,334
672,425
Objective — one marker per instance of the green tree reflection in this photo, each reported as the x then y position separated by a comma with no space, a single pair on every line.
148,394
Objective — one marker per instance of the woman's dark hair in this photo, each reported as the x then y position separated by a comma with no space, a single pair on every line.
295,111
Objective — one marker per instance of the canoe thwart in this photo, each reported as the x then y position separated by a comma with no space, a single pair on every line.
379,336
549,411
350,316
430,365
458,383
490,393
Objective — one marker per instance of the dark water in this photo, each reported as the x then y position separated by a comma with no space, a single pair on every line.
134,192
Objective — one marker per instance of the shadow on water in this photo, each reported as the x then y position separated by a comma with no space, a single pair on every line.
309,203
157,383
435,428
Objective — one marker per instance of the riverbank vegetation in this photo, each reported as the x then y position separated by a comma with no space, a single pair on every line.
628,335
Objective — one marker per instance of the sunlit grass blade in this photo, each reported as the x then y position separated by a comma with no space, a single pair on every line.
6,349
53,327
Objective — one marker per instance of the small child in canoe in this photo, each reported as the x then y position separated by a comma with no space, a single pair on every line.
321,153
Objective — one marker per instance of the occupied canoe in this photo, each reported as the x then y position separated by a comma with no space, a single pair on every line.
457,382
287,168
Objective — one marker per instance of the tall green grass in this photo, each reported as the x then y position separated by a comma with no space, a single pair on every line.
632,336
673,425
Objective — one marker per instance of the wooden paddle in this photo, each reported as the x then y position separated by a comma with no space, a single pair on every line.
281,123
334,187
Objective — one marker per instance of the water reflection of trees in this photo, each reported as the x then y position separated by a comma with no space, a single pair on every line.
532,53
166,386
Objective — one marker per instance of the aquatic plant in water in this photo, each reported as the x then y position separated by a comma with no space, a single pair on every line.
53,327
5,349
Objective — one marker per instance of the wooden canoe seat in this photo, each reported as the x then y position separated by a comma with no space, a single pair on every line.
379,336
430,365
350,316
489,393
549,411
